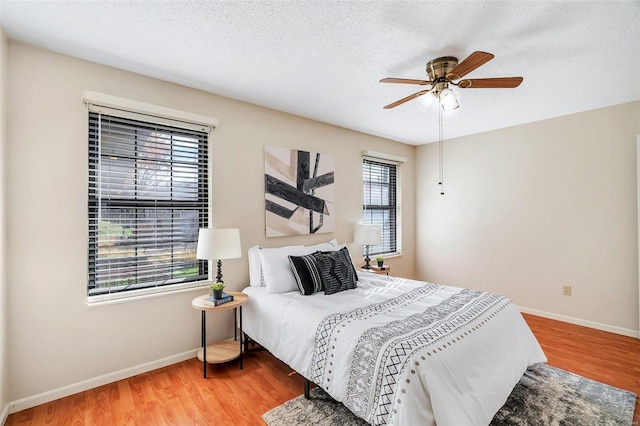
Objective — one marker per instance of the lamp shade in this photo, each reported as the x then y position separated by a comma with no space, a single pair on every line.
448,100
219,243
368,235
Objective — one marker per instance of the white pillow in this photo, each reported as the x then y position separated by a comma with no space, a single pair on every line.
256,273
276,270
328,246
255,267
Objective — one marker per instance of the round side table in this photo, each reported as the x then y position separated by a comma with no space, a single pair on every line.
224,350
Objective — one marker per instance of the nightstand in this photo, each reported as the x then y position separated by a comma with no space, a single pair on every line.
224,350
377,270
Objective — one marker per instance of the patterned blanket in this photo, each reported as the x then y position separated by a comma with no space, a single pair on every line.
389,344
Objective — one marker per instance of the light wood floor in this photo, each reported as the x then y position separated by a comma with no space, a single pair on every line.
178,395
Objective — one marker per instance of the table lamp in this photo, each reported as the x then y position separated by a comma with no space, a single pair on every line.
219,243
367,235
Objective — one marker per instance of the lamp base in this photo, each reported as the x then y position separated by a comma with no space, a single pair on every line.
219,274
367,259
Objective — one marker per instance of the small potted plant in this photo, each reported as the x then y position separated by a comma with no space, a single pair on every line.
217,290
380,261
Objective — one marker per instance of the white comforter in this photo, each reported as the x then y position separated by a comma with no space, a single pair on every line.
398,351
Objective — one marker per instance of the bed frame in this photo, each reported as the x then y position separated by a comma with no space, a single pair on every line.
307,382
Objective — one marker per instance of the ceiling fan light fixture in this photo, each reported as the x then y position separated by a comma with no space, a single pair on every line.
448,100
427,102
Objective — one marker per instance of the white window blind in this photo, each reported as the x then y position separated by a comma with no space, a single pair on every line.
148,196
379,179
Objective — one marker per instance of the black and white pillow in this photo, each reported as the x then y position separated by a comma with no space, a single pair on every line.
336,271
305,271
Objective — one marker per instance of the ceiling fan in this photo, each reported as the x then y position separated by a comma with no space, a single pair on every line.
443,71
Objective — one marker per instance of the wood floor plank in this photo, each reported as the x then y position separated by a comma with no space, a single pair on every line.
178,395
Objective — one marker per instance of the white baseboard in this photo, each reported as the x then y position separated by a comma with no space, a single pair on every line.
4,414
578,321
41,398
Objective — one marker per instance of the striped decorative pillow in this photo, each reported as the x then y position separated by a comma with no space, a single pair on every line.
305,271
336,271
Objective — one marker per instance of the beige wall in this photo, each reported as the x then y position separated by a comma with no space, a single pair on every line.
55,339
531,208
3,252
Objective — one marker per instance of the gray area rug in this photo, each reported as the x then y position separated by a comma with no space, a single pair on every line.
544,396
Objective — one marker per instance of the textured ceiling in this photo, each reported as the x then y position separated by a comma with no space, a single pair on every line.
323,59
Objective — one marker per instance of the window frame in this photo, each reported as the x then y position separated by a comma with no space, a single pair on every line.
182,125
391,162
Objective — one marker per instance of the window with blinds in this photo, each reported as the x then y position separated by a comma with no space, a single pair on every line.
148,196
379,182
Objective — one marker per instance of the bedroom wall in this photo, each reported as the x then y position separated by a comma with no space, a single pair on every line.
3,252
534,207
58,344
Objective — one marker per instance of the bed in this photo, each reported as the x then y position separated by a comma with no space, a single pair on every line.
393,350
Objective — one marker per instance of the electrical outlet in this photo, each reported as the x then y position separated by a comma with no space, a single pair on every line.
566,290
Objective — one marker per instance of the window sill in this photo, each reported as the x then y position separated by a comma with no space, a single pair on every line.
130,296
385,255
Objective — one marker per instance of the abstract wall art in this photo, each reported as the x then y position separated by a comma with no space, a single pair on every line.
298,192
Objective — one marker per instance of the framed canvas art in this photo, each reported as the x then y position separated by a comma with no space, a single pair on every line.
298,192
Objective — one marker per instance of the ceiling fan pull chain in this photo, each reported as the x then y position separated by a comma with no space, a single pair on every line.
440,147
439,143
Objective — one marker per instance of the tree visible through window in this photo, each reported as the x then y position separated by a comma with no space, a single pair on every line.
148,196
379,202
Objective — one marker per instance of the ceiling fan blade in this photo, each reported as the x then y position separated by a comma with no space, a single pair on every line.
405,81
490,83
472,62
408,98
